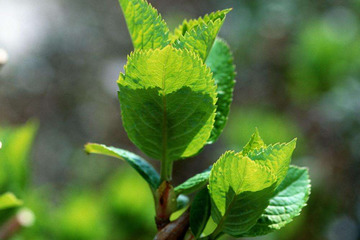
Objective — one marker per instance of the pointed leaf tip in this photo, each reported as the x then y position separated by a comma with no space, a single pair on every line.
147,29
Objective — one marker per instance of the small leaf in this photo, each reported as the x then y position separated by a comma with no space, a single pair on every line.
240,190
168,101
200,212
220,61
187,25
140,165
199,35
147,29
286,203
8,200
255,142
194,183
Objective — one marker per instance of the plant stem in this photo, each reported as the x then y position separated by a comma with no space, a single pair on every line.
24,218
175,230
165,204
166,170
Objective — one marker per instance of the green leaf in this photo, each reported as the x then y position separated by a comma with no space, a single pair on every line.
8,200
17,143
220,61
188,25
140,165
255,142
168,101
200,212
240,190
199,35
147,29
277,157
194,183
286,203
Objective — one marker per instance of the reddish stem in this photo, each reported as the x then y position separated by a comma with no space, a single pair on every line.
10,228
175,230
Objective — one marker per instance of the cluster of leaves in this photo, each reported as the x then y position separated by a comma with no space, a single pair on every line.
175,97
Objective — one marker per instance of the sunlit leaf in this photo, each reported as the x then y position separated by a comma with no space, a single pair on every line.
8,200
286,203
168,101
147,29
199,35
240,190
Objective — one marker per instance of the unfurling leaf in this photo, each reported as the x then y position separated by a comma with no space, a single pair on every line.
140,165
168,101
277,157
199,35
147,29
220,61
286,203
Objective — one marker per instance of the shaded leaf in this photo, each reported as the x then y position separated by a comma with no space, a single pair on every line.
200,212
140,165
220,61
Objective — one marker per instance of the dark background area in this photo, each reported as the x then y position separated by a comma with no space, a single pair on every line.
298,75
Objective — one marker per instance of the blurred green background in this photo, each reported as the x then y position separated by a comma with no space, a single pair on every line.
298,75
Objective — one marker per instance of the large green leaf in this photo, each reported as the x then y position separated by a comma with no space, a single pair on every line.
14,154
147,29
139,164
8,200
200,212
168,101
194,183
286,203
220,61
199,35
240,190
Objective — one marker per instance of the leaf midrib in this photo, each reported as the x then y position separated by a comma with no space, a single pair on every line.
164,127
